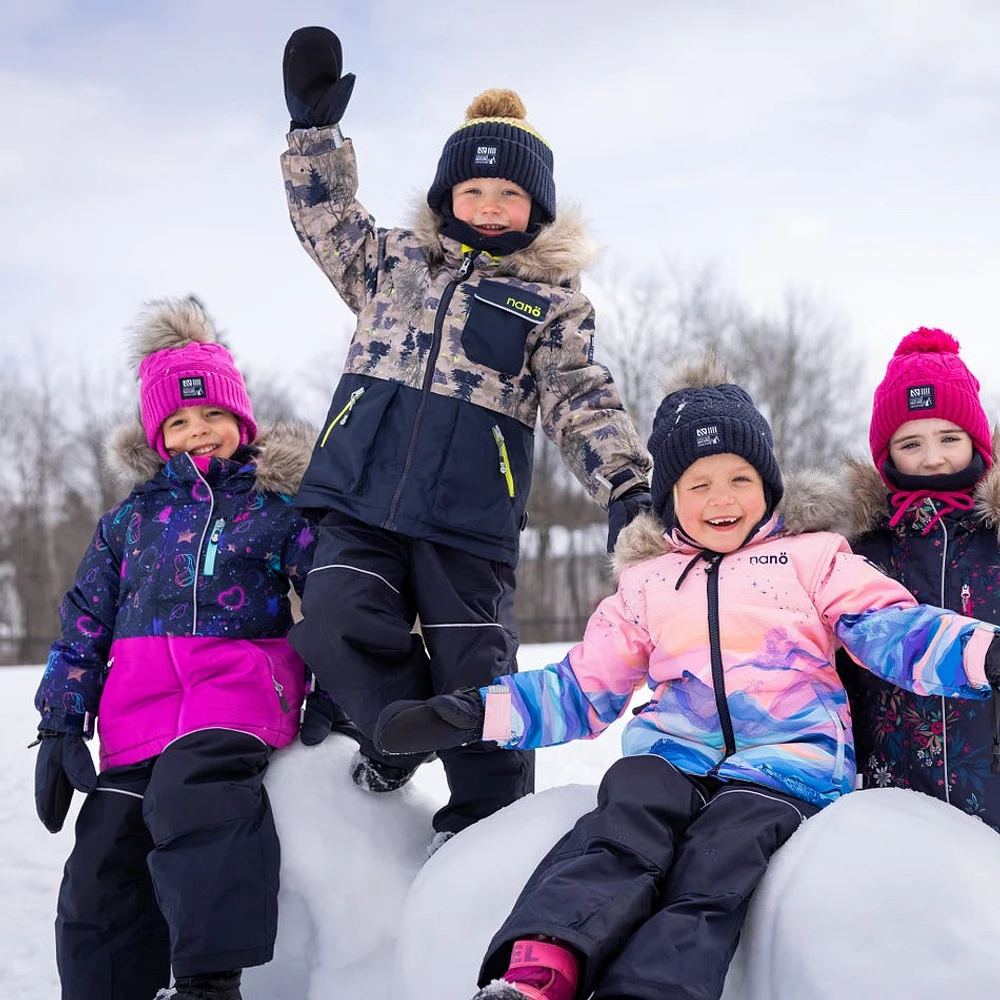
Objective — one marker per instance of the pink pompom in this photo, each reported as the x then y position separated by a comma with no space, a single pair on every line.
927,340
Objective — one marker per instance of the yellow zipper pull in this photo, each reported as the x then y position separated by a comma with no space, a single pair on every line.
504,459
341,418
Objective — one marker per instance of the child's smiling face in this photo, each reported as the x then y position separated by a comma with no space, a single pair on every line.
718,500
491,205
201,430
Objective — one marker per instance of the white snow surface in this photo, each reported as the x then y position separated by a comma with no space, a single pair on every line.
887,893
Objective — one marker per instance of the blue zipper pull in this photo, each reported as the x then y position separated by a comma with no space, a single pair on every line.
213,546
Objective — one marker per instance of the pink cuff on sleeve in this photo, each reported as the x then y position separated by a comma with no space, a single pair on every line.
496,725
974,656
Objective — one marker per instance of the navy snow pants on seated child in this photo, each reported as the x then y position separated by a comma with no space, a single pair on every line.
175,863
652,887
366,588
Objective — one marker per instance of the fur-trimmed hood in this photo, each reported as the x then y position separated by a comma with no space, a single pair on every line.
865,497
812,502
283,454
561,250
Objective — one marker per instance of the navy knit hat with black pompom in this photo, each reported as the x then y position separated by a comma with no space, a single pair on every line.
708,415
496,141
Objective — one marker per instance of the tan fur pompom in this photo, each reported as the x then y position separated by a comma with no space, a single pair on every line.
495,103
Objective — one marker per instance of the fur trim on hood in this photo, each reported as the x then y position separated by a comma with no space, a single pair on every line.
284,452
867,497
557,255
812,502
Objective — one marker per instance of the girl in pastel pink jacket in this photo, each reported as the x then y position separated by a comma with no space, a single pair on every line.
733,623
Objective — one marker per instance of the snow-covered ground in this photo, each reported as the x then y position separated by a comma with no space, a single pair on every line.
886,894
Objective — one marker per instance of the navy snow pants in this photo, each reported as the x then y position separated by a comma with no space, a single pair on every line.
366,589
175,863
651,888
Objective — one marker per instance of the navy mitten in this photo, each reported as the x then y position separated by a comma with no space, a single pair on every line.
64,764
439,723
316,92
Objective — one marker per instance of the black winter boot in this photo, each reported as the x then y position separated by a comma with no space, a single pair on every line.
206,986
374,776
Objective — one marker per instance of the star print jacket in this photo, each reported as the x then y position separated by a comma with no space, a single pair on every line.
177,618
738,651
940,746
430,431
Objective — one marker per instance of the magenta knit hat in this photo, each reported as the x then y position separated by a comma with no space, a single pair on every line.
181,364
926,378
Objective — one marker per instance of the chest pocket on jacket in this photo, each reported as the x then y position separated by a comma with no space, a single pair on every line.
496,330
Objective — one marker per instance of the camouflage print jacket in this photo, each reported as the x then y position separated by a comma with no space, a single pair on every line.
430,431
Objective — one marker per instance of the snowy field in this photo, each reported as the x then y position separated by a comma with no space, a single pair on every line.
886,894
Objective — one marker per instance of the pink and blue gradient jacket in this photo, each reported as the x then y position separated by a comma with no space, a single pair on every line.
738,651
177,618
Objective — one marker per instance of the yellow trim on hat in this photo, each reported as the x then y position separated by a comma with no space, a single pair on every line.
513,122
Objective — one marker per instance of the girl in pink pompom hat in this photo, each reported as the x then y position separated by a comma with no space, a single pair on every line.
927,512
173,639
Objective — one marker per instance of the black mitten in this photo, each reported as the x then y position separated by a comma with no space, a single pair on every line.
992,664
324,716
624,509
315,91
439,723
63,763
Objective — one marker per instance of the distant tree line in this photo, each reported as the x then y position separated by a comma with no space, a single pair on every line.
798,364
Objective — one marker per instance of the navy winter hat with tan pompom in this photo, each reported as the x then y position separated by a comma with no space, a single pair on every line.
496,141
711,416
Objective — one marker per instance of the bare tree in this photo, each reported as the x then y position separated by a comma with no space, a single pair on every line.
815,408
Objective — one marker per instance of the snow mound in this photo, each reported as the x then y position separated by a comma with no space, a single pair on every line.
348,858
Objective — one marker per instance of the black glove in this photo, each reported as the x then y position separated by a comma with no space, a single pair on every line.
624,509
323,716
441,722
63,763
315,91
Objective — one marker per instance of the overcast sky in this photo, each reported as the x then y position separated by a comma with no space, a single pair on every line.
849,150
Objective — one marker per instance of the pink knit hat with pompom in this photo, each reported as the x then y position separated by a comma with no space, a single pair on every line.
926,378
181,364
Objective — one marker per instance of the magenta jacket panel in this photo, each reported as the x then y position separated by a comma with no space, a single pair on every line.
160,688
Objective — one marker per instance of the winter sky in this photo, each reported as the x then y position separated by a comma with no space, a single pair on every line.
847,150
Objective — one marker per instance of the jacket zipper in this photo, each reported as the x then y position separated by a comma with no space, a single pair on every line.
201,545
505,469
213,546
715,648
463,272
838,763
344,415
944,704
278,687
966,598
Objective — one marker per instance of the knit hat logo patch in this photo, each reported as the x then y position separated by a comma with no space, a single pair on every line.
192,387
920,397
486,156
707,437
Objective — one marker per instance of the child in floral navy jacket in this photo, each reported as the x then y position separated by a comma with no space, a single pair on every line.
927,512
173,639
733,622
471,325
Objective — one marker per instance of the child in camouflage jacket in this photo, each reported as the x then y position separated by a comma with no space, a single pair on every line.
469,324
